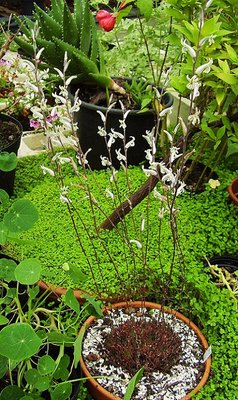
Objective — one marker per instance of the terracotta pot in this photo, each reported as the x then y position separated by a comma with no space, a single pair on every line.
59,291
233,191
99,393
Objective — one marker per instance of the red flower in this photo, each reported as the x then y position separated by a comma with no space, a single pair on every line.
106,20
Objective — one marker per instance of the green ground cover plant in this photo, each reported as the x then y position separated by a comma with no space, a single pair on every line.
207,226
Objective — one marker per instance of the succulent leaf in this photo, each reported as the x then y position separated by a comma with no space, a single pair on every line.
94,42
23,25
85,32
26,46
101,80
50,54
57,10
49,27
70,31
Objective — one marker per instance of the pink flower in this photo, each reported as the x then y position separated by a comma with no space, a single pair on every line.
34,124
106,20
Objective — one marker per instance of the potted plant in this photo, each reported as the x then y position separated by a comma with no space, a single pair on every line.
90,78
117,343
10,139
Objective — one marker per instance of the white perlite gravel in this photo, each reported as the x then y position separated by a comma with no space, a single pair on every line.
174,385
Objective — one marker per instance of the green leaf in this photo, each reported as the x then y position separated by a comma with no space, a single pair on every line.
220,95
71,301
145,7
232,148
60,338
94,303
227,78
62,391
78,346
39,382
19,341
221,132
21,216
3,233
11,393
46,365
70,31
3,366
8,161
132,384
4,197
232,53
28,271
49,27
76,275
3,320
62,371
7,269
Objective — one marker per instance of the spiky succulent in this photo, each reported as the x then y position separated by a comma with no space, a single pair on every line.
75,33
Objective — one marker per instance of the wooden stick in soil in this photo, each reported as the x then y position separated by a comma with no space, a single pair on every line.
124,208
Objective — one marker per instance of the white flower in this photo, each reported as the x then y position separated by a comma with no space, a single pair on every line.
149,171
158,195
120,156
210,39
136,242
109,193
194,118
205,68
161,212
131,143
165,111
149,137
38,55
111,140
47,170
214,183
169,136
105,161
142,224
188,49
194,86
122,124
101,131
103,118
174,154
209,2
65,199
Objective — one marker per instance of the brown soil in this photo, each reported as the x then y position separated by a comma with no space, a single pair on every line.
9,133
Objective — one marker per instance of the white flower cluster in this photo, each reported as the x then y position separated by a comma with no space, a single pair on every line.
20,82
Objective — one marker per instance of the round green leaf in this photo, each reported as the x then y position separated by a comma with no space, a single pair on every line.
19,342
11,392
21,216
28,271
7,269
46,365
8,161
62,392
39,382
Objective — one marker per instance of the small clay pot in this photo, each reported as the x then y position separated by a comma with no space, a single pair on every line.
233,191
99,393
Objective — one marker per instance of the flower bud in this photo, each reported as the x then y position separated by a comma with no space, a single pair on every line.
106,20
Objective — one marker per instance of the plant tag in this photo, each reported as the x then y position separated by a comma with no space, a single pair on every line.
207,354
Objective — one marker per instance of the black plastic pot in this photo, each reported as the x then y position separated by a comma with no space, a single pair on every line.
230,263
7,178
89,120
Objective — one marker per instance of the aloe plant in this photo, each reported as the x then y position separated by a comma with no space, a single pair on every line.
75,33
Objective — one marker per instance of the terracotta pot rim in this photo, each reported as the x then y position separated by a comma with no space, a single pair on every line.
105,395
58,291
231,191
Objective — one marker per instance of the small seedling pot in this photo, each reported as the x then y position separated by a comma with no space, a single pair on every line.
233,191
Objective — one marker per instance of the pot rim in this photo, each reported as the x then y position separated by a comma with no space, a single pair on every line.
231,191
58,291
109,396
169,100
